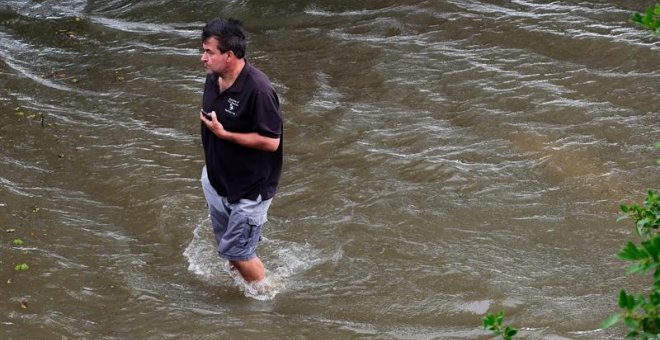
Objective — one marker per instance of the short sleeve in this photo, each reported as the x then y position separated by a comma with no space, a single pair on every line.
267,116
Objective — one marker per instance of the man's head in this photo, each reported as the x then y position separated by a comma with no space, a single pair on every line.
228,34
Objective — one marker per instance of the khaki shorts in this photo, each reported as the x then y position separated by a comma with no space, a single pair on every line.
237,226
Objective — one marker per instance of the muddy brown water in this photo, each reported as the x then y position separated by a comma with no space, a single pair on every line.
444,159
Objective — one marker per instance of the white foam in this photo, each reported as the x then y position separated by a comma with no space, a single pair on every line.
285,259
261,290
202,254
292,258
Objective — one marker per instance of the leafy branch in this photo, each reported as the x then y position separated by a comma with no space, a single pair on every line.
494,323
646,217
650,19
641,314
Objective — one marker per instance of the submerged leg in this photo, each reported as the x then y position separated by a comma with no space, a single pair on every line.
252,270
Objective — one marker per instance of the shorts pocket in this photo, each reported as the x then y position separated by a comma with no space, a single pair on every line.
254,231
257,220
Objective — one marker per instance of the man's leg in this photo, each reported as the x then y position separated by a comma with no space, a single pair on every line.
252,270
244,230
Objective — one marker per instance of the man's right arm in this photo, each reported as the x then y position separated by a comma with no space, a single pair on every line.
251,140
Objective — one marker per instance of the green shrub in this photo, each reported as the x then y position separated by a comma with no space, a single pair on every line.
650,19
641,314
494,323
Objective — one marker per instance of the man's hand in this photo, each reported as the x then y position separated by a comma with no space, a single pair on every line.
250,140
214,125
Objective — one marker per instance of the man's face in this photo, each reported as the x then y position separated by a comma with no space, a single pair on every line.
214,60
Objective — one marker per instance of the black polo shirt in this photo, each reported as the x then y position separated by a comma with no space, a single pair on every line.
249,105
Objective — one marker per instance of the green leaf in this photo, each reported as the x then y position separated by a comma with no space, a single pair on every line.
611,321
639,268
632,253
644,222
630,302
623,299
510,332
632,323
654,299
500,318
648,18
651,248
489,322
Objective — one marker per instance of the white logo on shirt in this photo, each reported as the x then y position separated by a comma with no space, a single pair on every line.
233,105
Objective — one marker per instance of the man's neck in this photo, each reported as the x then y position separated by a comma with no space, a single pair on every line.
228,79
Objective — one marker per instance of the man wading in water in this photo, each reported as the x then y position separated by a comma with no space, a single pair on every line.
242,136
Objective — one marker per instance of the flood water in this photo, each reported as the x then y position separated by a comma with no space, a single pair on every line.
443,160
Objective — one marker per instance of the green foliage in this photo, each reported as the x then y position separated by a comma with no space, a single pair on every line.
641,314
21,267
17,242
494,323
650,19
646,217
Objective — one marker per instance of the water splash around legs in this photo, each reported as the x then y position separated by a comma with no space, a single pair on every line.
259,290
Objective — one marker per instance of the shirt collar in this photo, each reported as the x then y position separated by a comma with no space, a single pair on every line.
238,84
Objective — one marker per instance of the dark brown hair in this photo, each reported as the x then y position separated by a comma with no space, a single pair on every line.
229,33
